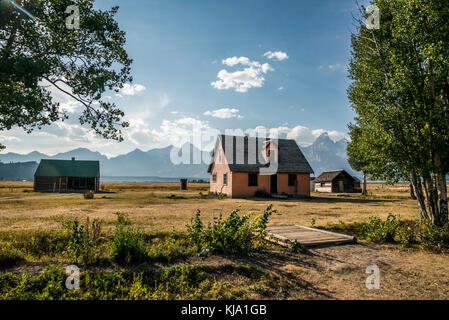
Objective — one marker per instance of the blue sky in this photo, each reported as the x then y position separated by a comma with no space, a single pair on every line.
179,49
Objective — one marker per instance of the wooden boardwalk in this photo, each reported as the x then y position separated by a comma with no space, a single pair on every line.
308,237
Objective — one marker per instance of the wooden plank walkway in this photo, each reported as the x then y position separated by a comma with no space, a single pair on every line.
308,237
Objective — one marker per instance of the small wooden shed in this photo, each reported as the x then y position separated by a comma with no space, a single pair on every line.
336,181
67,176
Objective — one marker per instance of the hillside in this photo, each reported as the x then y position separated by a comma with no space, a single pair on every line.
324,154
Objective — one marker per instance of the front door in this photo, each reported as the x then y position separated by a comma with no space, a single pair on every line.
341,186
274,184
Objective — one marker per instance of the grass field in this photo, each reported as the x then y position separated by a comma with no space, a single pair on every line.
322,273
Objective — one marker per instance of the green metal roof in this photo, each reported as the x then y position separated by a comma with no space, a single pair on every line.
68,168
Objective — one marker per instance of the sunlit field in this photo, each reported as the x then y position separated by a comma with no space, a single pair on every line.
29,221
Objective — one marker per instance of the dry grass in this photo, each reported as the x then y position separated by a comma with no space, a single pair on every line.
150,206
333,272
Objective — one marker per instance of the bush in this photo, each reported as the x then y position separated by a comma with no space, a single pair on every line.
83,240
128,244
9,255
432,237
88,194
169,248
408,233
38,243
236,234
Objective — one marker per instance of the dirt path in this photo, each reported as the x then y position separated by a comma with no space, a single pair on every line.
52,196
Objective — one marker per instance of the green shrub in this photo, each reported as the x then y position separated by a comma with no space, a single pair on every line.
235,234
169,248
408,233
9,255
128,244
37,243
88,194
83,240
50,285
432,237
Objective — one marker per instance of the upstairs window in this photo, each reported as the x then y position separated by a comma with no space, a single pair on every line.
252,179
225,179
291,179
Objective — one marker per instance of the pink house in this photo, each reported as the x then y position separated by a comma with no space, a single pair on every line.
242,165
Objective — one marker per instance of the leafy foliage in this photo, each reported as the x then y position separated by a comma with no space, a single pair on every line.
177,282
235,234
128,242
393,229
399,92
88,194
9,255
83,240
38,56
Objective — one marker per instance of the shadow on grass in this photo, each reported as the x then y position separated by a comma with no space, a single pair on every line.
330,200
275,261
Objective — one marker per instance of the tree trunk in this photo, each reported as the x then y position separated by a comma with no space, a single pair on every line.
440,178
431,198
364,191
417,186
412,192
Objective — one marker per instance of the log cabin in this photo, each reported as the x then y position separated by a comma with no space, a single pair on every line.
67,176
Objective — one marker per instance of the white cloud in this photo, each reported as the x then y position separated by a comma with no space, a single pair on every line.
224,113
234,60
303,135
71,106
174,132
331,67
241,80
279,55
281,88
130,90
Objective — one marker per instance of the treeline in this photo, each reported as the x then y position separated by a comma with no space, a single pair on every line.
19,170
399,90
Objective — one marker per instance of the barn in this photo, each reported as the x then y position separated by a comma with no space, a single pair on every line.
67,176
336,181
240,167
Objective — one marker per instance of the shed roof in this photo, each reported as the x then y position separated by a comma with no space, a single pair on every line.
290,157
68,168
327,176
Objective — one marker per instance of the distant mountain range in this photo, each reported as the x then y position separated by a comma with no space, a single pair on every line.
324,154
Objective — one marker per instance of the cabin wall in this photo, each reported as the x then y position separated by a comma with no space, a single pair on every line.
46,184
220,168
240,186
65,184
303,183
238,182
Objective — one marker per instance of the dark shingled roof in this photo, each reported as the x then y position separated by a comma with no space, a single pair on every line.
68,168
290,157
328,176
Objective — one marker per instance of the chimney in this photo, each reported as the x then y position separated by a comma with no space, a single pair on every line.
73,158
